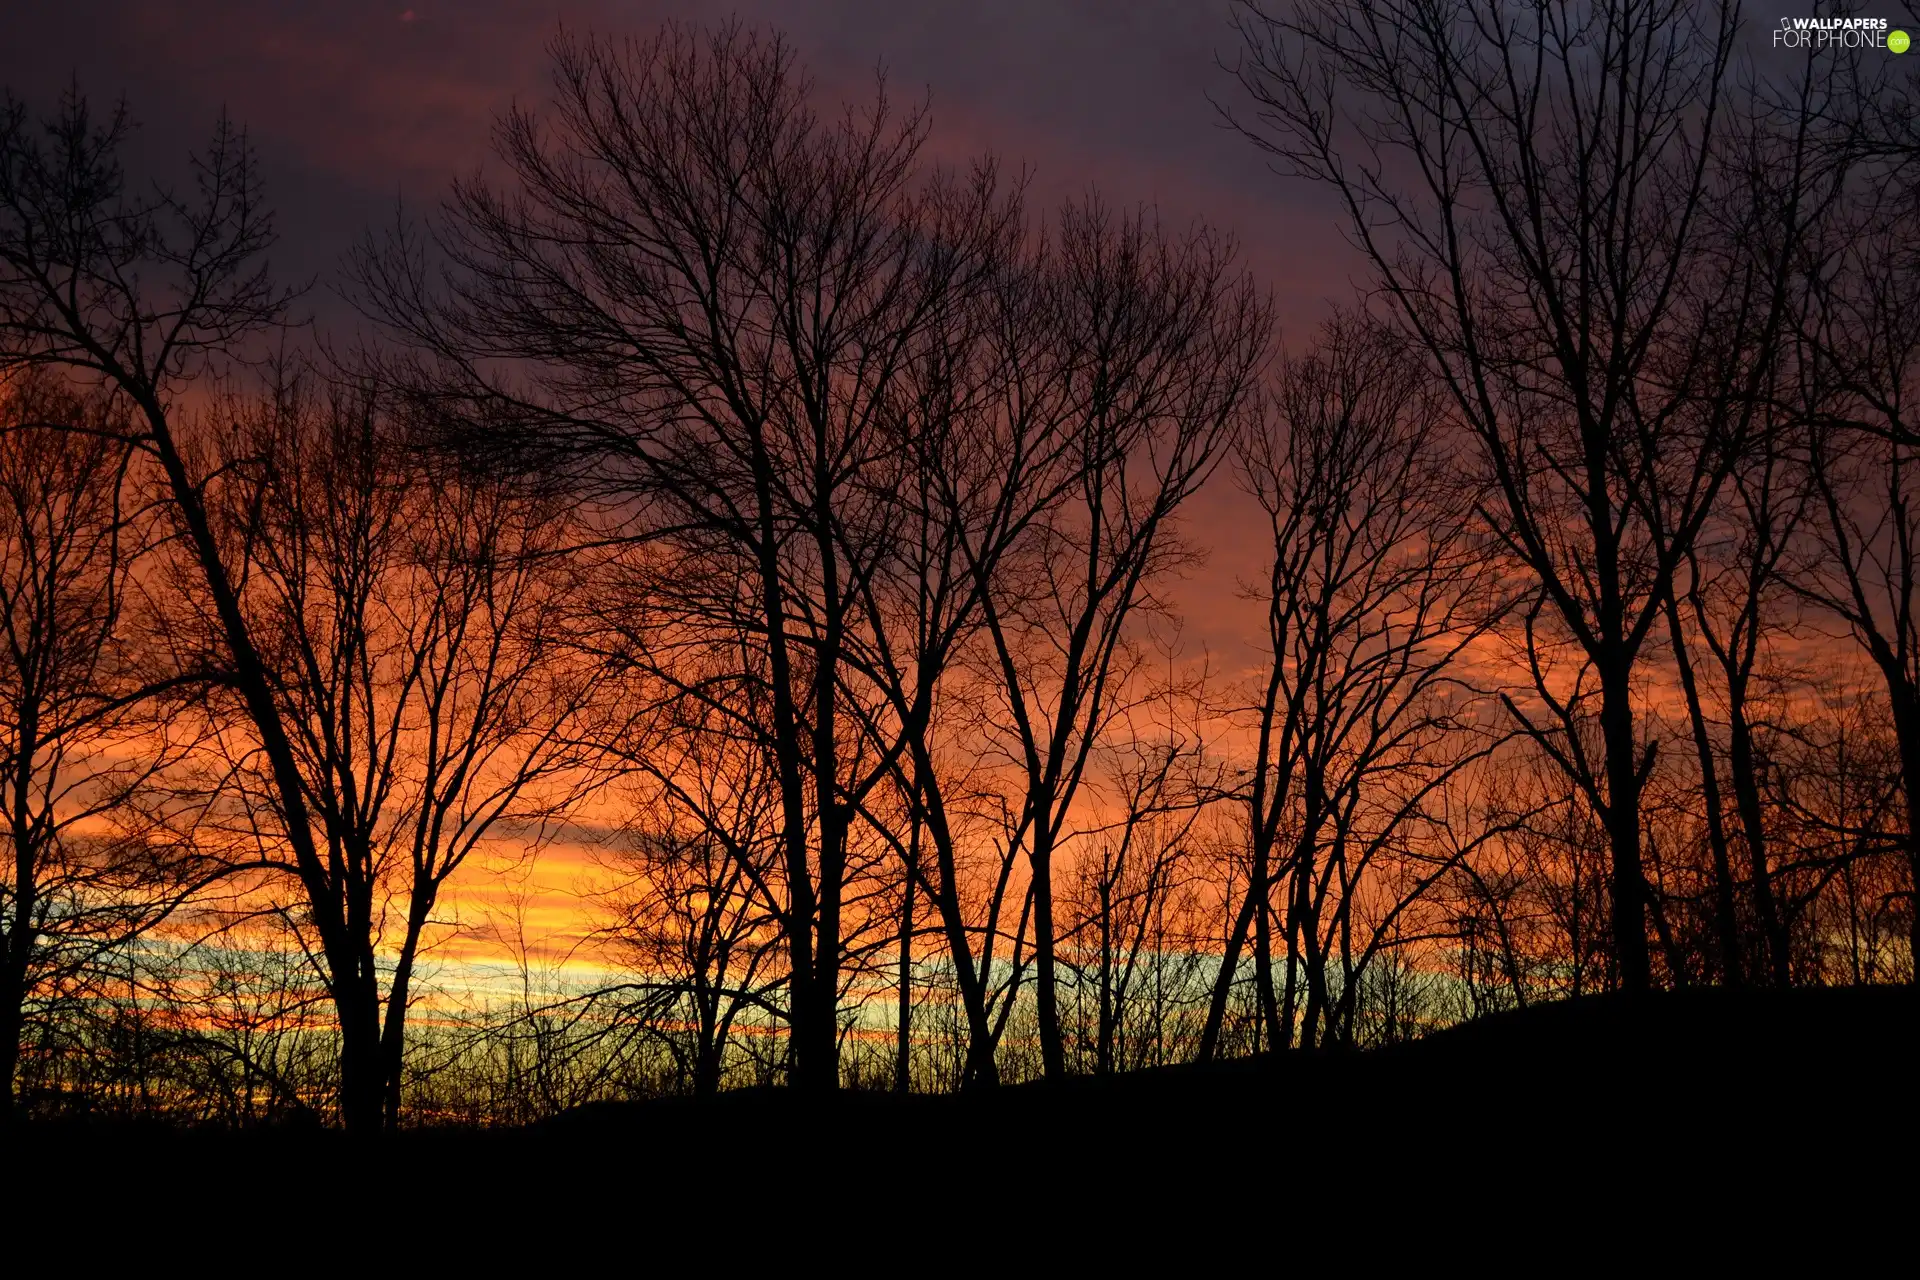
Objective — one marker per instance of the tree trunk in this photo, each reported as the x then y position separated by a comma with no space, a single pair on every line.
706,1048
1306,902
393,1037
1103,1053
1053,1055
820,1036
1726,922
12,1027
16,952
361,1093
797,921
1229,966
1316,961
903,1043
1746,796
1906,721
1263,991
362,1064
1628,884
1290,1010
1256,911
980,1069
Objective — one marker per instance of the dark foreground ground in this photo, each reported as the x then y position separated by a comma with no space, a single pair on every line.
1701,1126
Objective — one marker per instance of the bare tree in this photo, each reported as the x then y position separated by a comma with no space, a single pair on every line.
1861,347
412,625
697,892
1544,193
1836,802
1735,592
986,453
710,299
1132,941
1164,344
80,732
1362,717
147,290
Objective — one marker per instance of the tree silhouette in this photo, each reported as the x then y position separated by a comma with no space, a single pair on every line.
1553,201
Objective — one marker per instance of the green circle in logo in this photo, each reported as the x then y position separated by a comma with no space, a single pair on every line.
1897,41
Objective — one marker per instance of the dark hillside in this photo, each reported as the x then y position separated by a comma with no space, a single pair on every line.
1753,1103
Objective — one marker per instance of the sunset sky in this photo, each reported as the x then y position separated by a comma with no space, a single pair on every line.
355,106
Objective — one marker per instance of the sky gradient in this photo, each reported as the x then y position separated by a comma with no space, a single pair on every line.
355,107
